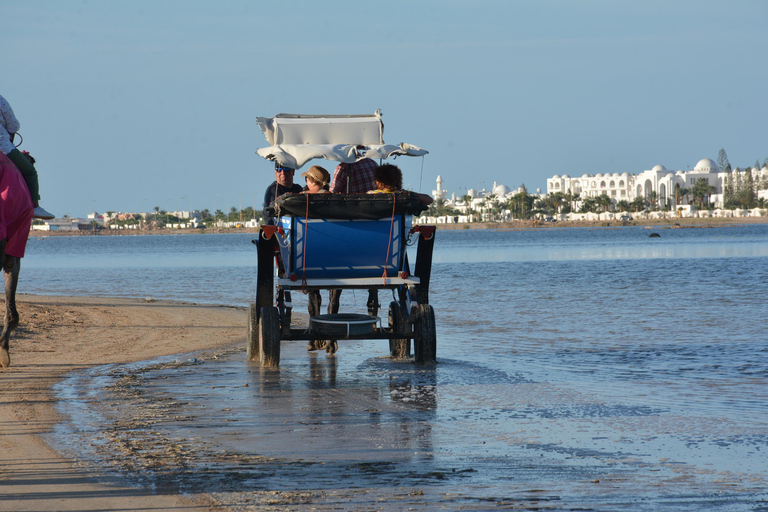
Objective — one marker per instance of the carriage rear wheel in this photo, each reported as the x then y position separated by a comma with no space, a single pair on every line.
399,348
252,334
425,335
269,337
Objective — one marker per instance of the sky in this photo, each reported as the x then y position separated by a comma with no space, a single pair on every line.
132,105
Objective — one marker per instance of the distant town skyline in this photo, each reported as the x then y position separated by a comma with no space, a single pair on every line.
124,102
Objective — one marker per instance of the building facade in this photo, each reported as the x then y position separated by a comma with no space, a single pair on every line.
658,184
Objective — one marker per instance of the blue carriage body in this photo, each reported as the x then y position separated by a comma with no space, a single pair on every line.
346,248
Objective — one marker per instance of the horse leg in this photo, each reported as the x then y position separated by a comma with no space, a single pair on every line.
11,268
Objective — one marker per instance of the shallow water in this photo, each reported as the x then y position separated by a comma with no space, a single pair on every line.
593,368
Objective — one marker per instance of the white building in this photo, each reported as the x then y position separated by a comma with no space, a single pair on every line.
659,182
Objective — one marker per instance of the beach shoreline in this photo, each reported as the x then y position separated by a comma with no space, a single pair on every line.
58,335
399,454
683,222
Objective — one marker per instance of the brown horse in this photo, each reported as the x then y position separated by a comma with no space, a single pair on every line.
11,267
15,221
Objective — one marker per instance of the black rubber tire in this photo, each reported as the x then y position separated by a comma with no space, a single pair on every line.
399,348
425,336
269,337
252,333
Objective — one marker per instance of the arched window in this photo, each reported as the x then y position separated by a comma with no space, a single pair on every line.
602,184
621,184
613,184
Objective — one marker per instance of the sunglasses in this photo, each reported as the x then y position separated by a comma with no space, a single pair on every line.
283,169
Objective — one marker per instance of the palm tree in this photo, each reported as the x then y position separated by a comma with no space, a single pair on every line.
653,198
638,204
681,193
467,204
604,201
489,201
558,198
701,192
520,204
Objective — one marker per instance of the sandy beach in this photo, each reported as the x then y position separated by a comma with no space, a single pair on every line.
61,334
358,431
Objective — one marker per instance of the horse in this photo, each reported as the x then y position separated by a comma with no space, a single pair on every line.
15,222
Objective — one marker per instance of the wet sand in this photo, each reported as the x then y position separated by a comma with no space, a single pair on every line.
358,431
61,334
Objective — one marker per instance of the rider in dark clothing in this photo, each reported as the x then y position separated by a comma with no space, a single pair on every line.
283,184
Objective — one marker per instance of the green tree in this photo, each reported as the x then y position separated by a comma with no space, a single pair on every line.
681,194
653,200
729,190
747,194
489,203
638,204
467,204
722,160
604,202
521,204
589,204
440,207
701,192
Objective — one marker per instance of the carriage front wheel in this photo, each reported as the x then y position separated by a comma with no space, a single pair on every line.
425,335
269,336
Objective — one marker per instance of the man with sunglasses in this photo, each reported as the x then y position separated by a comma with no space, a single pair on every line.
283,184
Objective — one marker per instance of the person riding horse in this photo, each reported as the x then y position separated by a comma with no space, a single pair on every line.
16,212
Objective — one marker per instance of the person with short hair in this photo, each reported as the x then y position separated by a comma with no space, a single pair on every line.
283,184
389,179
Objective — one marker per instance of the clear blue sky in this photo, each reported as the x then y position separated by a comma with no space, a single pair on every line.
135,104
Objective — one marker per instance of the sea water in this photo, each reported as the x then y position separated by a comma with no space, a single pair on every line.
566,355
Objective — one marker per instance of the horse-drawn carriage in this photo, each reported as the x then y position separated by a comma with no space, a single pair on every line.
340,241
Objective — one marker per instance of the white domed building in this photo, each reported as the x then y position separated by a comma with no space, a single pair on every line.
658,184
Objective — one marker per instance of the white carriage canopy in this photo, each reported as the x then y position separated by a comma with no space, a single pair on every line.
295,139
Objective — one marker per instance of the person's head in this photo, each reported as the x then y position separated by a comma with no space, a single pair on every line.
317,178
284,175
388,177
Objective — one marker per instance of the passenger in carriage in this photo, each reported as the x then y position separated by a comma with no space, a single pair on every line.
354,178
283,184
317,180
317,183
389,179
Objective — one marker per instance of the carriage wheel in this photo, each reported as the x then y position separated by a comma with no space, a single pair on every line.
399,348
425,336
269,336
252,332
